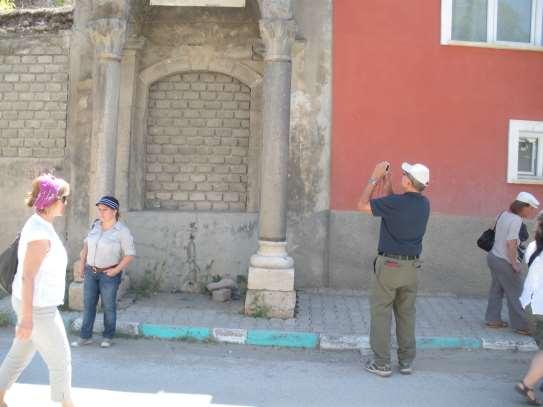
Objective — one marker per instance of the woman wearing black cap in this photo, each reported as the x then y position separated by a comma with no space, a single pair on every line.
107,250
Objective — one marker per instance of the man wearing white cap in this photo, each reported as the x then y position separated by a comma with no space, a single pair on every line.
504,261
394,285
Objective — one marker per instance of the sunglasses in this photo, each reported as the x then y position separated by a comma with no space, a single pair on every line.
64,199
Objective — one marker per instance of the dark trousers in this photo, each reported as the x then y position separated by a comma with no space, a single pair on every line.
99,285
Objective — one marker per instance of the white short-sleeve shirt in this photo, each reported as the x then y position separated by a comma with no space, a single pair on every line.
50,281
532,292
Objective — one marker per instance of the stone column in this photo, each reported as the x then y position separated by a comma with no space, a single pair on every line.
108,36
271,272
129,68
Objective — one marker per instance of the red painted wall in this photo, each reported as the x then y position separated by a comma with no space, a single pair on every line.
400,95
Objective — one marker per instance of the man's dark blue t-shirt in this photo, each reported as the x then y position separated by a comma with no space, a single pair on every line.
403,222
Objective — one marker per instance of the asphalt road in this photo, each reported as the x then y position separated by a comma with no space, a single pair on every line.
160,373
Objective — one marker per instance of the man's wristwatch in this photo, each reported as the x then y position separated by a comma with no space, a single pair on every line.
373,181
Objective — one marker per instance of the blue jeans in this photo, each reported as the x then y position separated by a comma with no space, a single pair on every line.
99,285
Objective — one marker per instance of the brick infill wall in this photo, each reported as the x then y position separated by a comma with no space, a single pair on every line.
197,143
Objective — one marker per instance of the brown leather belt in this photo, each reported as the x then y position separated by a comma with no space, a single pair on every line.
101,269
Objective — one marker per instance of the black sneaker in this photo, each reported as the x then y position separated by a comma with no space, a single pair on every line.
383,371
405,368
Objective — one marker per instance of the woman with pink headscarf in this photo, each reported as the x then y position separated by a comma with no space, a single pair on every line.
37,291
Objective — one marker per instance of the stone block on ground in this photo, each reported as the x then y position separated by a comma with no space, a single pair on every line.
271,279
223,283
122,328
75,296
222,295
270,304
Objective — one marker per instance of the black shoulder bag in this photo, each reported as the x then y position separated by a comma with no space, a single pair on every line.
8,266
486,240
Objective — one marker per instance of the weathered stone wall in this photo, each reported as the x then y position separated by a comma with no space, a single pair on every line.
197,143
34,49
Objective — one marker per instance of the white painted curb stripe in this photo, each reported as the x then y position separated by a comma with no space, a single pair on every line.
226,335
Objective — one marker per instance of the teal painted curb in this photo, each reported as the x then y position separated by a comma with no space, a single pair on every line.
282,339
175,332
448,342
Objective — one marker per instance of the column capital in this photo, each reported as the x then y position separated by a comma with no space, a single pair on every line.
108,36
279,36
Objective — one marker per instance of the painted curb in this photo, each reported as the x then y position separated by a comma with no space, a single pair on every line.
344,342
226,335
448,342
511,345
174,332
282,339
362,342
123,327
303,340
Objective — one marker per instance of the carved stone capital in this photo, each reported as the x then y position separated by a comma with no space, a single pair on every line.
108,36
278,36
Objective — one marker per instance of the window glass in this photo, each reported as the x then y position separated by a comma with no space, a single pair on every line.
469,20
514,20
527,155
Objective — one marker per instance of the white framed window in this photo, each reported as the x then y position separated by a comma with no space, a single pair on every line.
516,24
525,154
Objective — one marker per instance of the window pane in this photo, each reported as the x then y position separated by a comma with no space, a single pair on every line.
469,20
527,155
514,20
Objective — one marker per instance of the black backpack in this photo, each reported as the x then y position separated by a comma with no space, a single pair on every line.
8,266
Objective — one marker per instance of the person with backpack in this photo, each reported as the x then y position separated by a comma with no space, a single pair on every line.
38,289
504,262
531,300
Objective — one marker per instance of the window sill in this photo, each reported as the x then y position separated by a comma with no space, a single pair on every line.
535,181
495,45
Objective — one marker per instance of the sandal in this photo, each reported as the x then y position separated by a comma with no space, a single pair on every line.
497,324
522,332
526,391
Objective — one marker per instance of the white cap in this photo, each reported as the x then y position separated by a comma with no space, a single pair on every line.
418,171
528,198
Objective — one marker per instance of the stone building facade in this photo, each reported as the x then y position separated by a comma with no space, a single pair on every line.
199,119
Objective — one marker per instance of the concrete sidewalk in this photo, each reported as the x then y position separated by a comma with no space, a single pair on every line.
325,319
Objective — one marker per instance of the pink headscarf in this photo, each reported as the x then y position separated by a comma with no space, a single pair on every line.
49,190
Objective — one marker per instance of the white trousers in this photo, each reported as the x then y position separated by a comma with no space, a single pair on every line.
50,340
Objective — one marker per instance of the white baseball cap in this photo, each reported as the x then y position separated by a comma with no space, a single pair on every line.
528,198
418,171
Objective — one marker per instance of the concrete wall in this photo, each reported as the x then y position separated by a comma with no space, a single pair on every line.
310,140
452,263
223,245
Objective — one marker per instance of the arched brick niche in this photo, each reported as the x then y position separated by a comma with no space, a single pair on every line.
197,137
197,143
